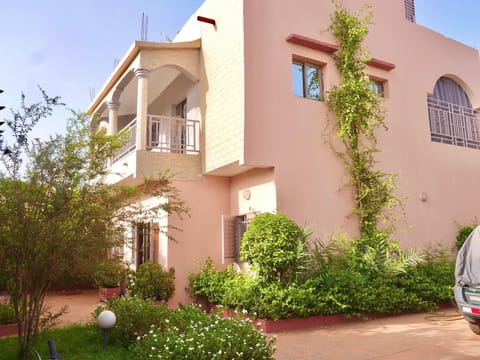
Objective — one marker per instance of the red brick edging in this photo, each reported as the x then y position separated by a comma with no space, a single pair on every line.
8,330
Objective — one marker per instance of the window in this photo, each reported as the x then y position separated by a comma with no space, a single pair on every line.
233,229
145,243
377,87
452,118
307,80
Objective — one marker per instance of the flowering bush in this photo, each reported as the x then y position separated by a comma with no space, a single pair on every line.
189,333
134,317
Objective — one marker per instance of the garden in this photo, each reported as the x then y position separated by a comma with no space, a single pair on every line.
291,276
146,327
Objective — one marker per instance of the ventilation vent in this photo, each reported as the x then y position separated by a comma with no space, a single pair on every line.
410,10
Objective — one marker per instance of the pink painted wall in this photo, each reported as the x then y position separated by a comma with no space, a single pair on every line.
201,233
291,133
261,192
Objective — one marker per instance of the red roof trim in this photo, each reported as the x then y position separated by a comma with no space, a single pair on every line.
384,65
312,43
331,48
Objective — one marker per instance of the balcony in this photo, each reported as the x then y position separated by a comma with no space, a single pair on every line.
165,134
453,124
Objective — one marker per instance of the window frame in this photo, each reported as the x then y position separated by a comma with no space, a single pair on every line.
376,84
305,64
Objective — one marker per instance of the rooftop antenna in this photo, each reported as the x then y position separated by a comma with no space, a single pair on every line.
116,61
144,34
166,38
91,90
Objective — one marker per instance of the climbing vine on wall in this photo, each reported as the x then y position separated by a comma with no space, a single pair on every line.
359,115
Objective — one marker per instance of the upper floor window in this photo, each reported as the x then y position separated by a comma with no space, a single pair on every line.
307,80
377,87
452,118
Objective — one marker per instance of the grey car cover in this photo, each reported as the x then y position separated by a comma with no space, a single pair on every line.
467,267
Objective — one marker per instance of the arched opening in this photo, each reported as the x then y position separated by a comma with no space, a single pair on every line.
452,118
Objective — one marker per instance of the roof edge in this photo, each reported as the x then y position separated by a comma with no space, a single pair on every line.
127,60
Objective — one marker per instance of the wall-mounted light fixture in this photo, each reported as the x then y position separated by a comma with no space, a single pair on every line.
246,194
423,196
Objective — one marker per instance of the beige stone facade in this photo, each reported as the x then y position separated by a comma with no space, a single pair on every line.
217,107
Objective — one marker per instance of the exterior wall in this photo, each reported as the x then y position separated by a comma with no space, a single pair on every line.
292,133
253,191
201,233
222,83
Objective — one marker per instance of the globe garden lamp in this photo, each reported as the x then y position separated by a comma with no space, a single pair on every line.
106,319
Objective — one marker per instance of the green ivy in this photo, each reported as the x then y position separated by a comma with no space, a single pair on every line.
359,115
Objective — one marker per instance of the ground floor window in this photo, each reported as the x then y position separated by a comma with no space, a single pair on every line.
233,229
145,243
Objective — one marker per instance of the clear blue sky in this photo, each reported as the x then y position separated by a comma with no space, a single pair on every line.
69,46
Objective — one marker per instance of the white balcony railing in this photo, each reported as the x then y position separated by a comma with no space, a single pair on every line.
453,124
164,134
131,132
173,134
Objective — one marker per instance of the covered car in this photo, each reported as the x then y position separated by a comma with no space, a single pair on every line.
467,280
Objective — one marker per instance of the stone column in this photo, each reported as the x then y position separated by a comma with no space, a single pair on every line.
142,107
113,107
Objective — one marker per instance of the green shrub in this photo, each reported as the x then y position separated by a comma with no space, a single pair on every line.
192,334
7,314
275,246
463,234
150,281
210,283
338,281
134,317
108,273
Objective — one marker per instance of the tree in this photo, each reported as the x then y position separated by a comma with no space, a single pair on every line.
2,122
60,213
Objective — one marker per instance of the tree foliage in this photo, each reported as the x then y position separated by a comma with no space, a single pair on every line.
359,116
58,213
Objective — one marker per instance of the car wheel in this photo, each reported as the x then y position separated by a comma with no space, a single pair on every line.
475,328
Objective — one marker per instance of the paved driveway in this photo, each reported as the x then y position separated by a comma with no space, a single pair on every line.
405,337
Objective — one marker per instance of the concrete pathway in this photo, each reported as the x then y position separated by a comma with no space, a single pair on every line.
404,337
80,306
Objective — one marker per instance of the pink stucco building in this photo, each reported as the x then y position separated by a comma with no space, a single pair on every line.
228,109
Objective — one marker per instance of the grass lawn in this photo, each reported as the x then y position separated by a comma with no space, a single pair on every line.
73,343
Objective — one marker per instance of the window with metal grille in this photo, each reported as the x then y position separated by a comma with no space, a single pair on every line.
452,118
233,229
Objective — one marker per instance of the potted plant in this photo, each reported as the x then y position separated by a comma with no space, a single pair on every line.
151,282
107,277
